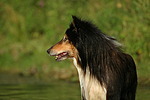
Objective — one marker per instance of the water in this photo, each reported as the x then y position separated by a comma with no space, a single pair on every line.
29,88
14,87
57,91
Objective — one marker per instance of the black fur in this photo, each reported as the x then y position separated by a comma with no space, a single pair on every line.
107,63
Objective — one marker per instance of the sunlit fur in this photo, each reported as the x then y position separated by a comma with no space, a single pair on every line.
63,46
105,72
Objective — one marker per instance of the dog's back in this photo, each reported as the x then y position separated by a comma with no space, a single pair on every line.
122,83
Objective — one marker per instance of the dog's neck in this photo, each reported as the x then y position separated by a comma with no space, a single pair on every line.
91,89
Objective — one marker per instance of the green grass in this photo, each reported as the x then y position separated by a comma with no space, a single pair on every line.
30,27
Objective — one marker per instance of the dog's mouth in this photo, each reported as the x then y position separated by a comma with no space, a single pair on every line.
61,56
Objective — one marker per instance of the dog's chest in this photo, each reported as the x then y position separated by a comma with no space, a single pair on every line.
91,89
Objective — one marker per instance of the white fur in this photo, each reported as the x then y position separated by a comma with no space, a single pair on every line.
91,89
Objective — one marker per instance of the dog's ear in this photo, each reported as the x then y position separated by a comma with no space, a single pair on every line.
76,22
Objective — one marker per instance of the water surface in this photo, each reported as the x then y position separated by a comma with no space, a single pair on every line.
29,88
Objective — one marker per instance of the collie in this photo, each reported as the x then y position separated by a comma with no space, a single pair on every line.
105,72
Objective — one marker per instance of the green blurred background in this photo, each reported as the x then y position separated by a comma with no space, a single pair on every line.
29,27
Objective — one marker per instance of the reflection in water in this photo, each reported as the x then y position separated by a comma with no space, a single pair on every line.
29,88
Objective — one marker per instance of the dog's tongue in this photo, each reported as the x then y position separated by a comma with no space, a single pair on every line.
59,56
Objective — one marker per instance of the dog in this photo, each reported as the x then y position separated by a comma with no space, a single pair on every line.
105,71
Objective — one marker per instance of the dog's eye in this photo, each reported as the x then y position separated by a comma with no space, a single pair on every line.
65,39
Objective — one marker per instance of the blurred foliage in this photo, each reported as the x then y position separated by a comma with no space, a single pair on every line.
29,27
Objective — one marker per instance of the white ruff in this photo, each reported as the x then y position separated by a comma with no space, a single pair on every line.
91,89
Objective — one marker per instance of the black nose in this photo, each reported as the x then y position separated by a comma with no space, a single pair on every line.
48,51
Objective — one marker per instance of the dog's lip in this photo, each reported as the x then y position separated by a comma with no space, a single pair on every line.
53,54
57,54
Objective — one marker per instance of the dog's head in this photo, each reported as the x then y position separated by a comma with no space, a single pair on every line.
81,39
65,48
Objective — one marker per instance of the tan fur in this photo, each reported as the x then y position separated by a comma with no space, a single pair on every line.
65,46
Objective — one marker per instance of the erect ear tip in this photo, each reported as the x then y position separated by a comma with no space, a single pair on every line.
76,21
74,17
